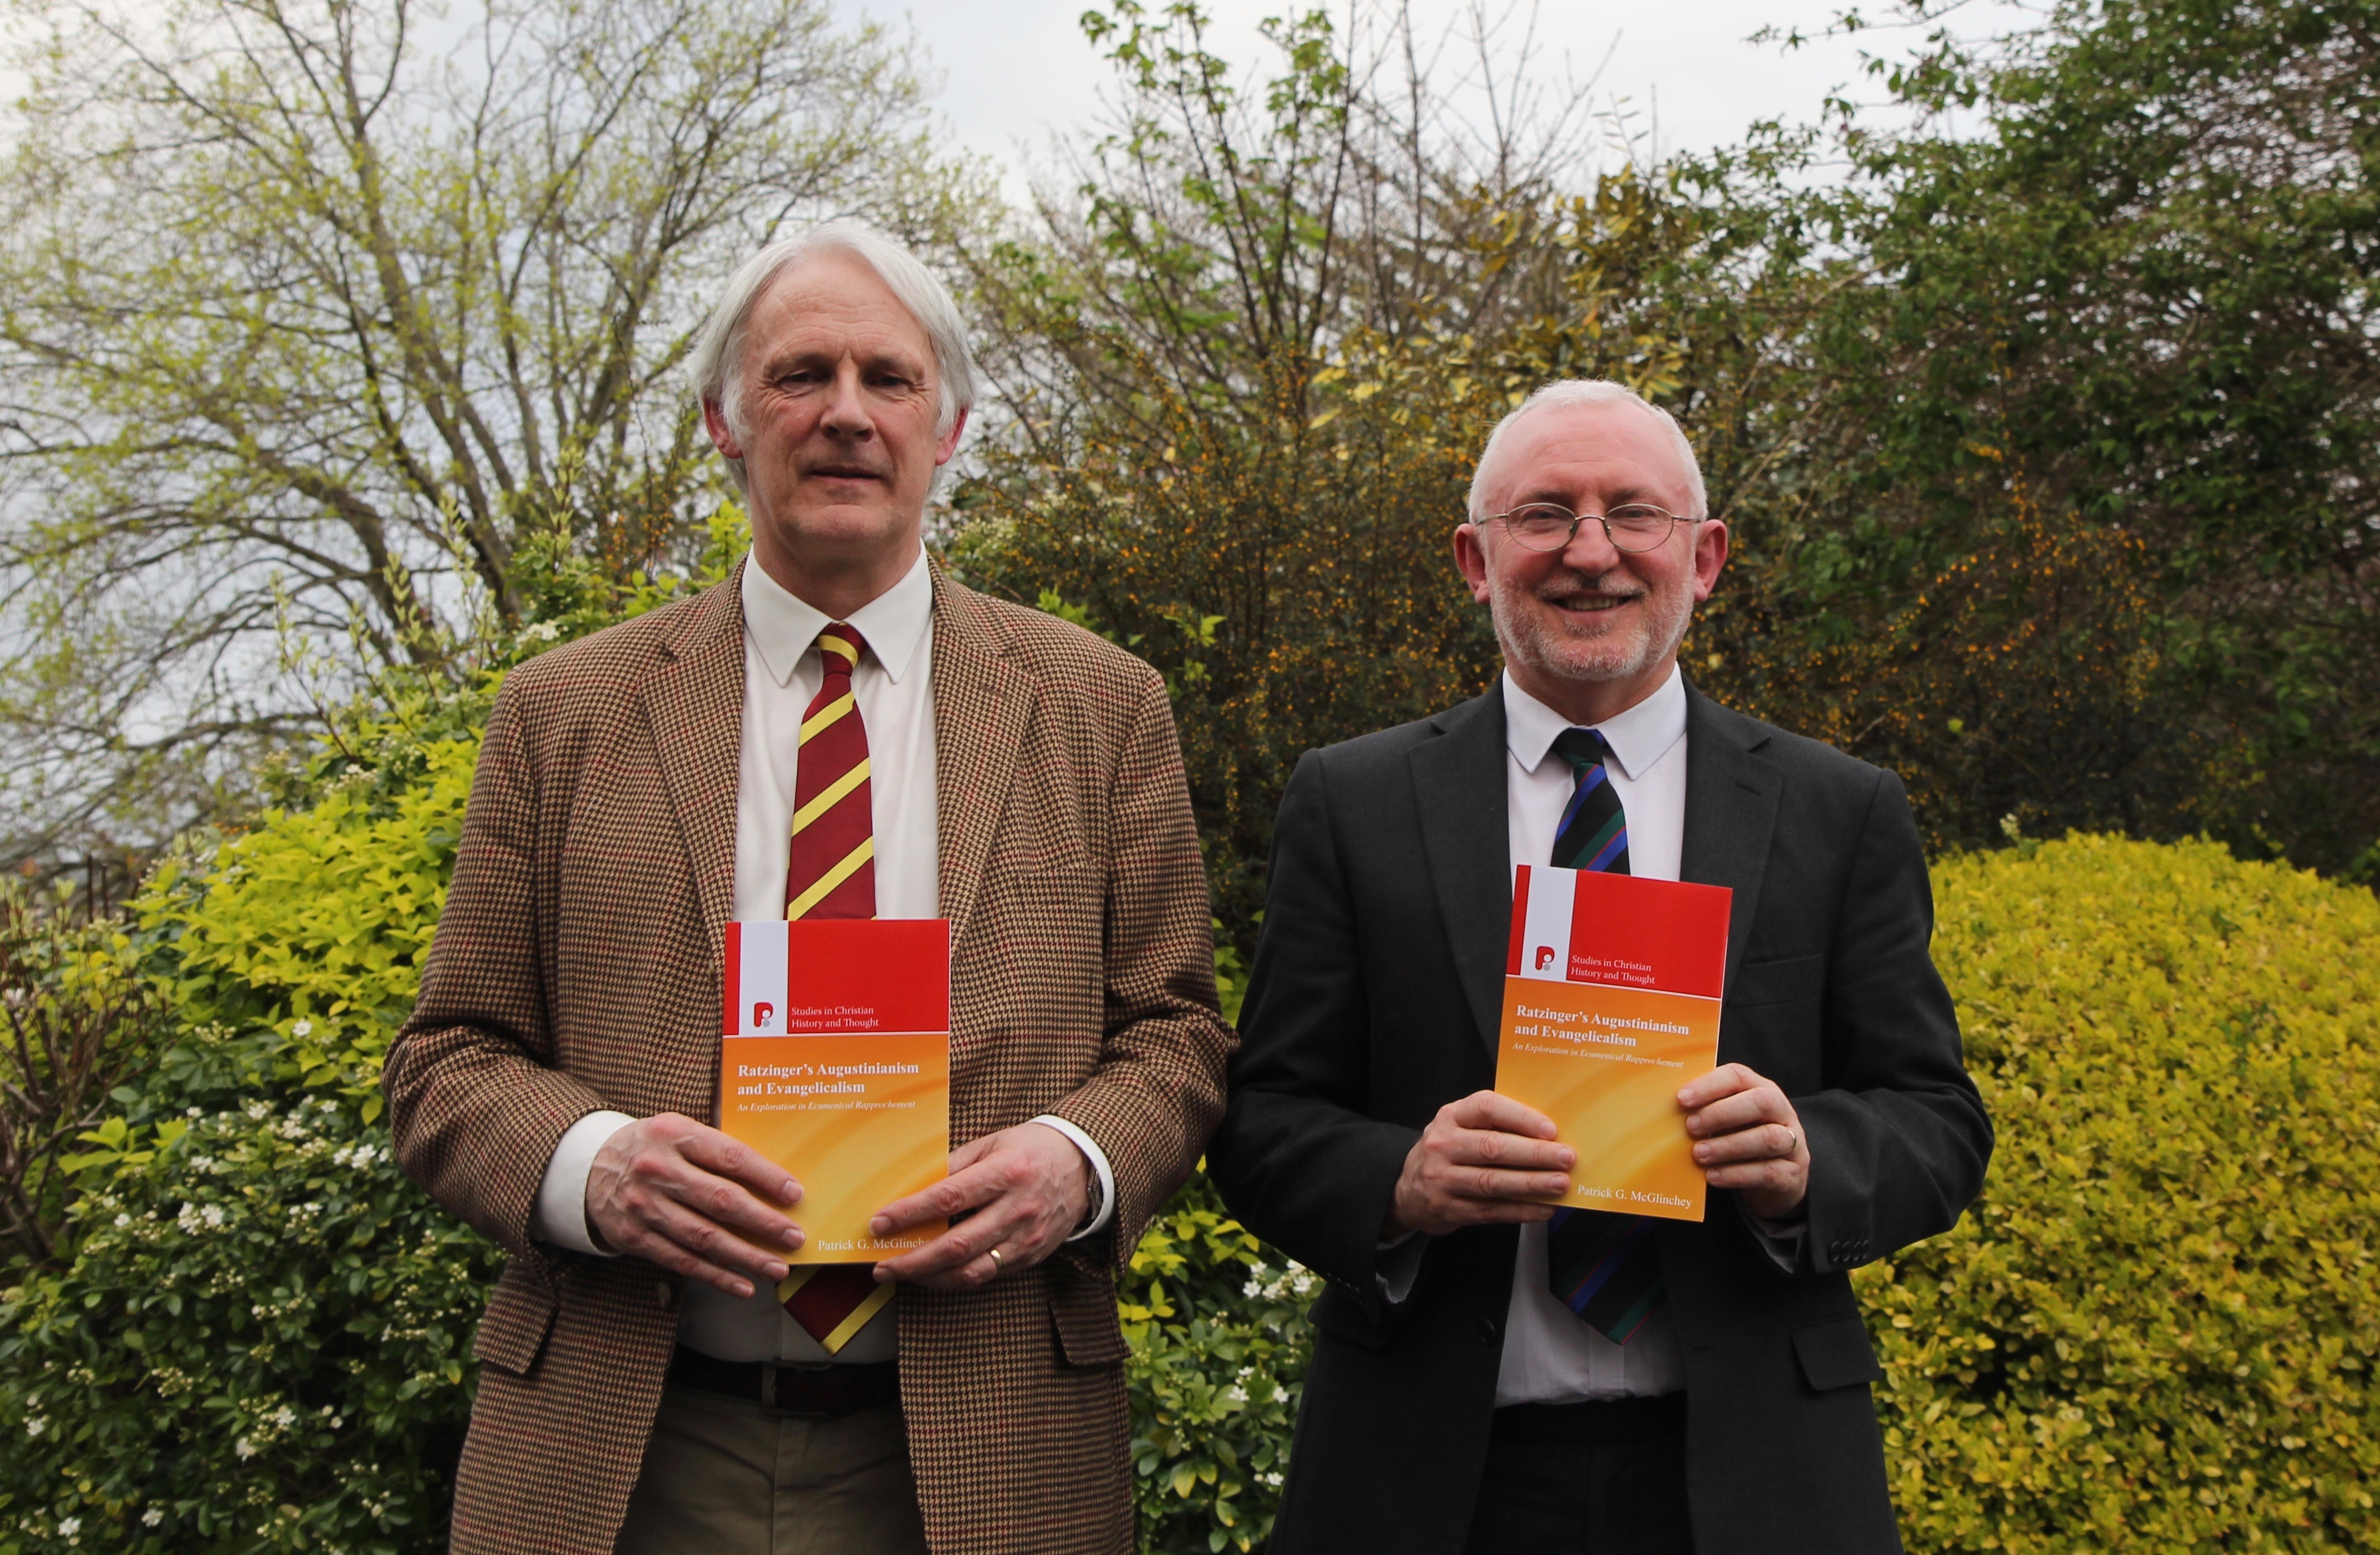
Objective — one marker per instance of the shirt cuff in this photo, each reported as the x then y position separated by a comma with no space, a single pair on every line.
559,1216
1396,1265
1779,1240
1103,1203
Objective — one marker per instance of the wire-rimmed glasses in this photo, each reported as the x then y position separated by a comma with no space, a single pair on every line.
1549,525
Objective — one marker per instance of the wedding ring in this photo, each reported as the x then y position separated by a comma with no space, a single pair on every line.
1793,1142
997,1267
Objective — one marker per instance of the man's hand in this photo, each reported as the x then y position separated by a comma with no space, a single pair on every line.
689,1198
1479,1162
1749,1138
1028,1187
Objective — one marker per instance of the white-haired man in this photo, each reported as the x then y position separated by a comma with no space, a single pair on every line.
838,731
1484,1380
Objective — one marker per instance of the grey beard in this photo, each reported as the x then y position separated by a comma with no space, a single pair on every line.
1527,641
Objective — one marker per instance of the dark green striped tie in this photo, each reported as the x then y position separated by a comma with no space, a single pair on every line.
1601,1266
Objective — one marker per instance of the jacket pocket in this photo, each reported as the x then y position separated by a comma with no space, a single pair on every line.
1345,1314
1836,1353
519,1316
1789,981
1083,1308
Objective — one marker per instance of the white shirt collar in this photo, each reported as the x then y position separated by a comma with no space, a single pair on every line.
1638,737
782,627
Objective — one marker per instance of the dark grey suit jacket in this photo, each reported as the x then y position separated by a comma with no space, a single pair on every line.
1374,1003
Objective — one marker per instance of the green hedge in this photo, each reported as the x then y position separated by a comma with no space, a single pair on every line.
2156,1333
2158,1330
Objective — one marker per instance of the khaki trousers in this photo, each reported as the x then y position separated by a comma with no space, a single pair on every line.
728,1476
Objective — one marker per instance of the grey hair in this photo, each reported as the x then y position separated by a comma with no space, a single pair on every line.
716,364
1567,392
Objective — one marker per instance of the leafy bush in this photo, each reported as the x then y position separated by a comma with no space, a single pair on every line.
261,1340
2157,1329
261,1343
321,917
76,1023
1216,1323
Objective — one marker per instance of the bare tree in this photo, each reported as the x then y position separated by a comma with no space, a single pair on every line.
313,313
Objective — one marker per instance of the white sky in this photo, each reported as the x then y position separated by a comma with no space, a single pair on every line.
1016,71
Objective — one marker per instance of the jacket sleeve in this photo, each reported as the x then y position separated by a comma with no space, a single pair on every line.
1899,1140
475,1105
1297,1159
1159,1087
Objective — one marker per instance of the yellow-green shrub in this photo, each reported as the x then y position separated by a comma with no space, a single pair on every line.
261,1340
2157,1329
318,921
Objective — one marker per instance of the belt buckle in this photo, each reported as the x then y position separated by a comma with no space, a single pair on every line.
768,1383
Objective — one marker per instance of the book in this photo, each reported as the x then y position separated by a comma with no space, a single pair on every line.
1611,1003
835,1061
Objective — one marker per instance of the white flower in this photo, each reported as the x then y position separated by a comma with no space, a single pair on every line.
69,1526
1252,1289
544,631
302,1030
244,1447
283,1416
151,1517
1234,1395
35,1426
123,1221
213,1214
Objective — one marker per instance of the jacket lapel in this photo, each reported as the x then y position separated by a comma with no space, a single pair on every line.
694,703
1731,812
1459,790
982,704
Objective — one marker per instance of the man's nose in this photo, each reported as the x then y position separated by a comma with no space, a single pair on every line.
847,409
1590,549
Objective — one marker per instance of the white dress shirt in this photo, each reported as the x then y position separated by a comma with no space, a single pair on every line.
1550,1356
893,690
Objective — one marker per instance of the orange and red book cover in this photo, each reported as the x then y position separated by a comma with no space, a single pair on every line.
835,1064
1611,1001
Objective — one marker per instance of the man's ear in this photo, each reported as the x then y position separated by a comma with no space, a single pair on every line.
722,436
1710,555
949,444
1471,555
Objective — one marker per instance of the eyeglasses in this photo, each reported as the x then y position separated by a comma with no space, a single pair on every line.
1549,525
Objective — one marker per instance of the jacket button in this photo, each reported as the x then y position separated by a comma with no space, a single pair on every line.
664,1296
1490,1331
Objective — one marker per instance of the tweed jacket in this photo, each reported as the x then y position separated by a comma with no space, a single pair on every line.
577,967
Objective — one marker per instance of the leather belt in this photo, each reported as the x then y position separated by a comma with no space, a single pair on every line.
1596,1423
828,1390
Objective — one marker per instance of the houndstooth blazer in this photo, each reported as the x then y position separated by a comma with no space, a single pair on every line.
577,967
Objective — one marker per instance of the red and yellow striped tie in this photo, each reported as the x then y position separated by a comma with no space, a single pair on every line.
831,873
